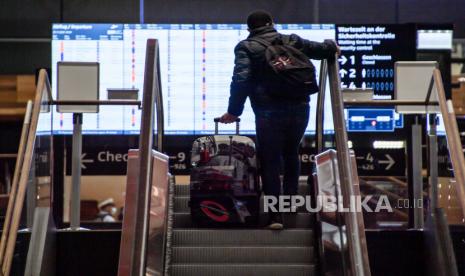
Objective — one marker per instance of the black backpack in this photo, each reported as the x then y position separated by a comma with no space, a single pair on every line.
286,72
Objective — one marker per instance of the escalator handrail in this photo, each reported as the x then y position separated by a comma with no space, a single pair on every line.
14,186
134,262
43,84
359,263
159,109
319,125
358,254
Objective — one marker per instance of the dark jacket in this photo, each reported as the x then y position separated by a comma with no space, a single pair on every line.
249,56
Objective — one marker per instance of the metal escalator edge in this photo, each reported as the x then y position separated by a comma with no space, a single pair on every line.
169,225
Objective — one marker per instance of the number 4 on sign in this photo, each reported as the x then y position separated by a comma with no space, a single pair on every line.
369,157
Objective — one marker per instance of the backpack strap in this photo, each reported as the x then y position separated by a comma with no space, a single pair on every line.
286,39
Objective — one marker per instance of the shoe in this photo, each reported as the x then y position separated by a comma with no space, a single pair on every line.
276,221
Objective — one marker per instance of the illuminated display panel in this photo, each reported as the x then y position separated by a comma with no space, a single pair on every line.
368,54
196,67
434,39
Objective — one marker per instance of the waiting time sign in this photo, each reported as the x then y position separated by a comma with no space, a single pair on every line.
368,54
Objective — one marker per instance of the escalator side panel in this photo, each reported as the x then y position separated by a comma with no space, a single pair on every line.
440,256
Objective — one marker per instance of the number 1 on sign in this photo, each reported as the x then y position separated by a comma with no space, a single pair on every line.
352,60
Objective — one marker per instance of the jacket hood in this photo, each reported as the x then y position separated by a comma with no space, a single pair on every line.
261,31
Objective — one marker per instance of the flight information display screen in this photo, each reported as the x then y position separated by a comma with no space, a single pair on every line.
196,63
368,54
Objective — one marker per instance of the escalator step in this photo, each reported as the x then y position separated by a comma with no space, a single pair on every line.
183,189
181,204
299,220
243,269
242,255
242,237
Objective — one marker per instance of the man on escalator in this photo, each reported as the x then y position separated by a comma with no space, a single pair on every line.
274,70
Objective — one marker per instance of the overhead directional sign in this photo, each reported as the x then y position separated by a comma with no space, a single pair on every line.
84,161
342,60
385,162
368,54
104,156
390,162
342,72
101,160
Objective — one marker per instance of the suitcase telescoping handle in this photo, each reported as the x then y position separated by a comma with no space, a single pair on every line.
217,121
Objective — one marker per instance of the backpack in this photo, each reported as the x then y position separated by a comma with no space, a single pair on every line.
287,72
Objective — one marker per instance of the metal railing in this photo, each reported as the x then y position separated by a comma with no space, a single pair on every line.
22,171
355,232
440,241
14,186
39,220
453,138
134,242
359,263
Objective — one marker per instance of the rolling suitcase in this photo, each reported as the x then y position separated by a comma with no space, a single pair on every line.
224,186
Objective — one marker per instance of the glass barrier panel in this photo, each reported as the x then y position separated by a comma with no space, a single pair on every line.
43,153
158,214
102,197
34,185
335,258
447,196
386,190
7,167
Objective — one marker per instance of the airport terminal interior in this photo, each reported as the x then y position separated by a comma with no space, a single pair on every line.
115,158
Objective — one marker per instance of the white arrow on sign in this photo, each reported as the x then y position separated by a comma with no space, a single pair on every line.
83,166
342,60
342,72
389,161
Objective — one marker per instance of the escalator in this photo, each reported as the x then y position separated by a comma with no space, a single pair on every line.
200,251
439,257
182,249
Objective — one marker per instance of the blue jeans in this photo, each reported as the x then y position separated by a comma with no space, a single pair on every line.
279,132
